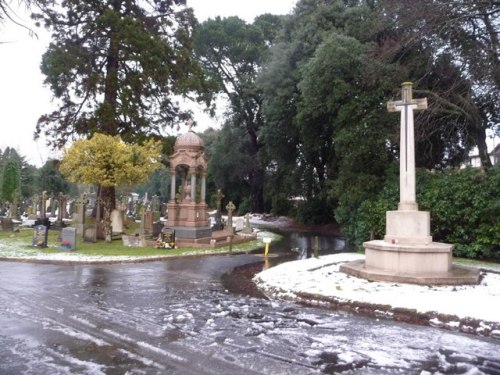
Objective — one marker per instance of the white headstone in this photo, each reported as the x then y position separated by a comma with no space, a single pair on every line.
117,221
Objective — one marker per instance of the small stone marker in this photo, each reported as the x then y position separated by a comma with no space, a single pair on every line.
40,234
68,239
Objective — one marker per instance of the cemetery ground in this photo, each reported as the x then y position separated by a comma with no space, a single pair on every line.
17,246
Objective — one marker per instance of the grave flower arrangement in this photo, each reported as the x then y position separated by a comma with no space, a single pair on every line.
65,245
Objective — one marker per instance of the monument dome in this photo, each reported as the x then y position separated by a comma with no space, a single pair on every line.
189,140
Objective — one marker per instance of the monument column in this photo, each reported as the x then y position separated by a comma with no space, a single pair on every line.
172,185
203,187
193,185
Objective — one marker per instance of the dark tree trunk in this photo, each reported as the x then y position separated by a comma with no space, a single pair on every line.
257,191
479,137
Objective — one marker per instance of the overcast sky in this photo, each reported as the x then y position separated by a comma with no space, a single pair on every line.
23,98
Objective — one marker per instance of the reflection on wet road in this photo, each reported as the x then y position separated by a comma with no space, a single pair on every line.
175,317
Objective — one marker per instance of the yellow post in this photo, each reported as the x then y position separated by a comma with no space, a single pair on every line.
267,241
266,263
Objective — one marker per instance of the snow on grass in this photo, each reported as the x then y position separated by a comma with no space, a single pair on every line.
321,276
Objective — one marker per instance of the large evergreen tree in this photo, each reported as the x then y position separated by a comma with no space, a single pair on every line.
11,182
115,65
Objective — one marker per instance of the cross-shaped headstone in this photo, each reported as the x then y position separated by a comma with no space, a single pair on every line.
230,208
43,207
81,207
35,200
62,208
81,203
407,196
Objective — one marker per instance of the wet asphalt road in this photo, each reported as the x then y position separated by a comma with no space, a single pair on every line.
176,317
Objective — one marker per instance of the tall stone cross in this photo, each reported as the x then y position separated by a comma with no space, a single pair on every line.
230,208
219,196
407,196
43,207
82,207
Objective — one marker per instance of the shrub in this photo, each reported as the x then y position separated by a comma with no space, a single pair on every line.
464,206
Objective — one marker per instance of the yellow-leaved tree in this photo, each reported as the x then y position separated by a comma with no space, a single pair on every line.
109,162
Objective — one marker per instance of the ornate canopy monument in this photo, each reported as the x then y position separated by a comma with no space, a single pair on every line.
407,252
187,208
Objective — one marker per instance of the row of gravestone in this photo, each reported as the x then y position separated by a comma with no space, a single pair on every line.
67,238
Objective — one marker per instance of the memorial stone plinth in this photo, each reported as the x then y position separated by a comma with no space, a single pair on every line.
407,253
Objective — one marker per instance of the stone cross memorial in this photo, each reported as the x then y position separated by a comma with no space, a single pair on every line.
407,224
407,253
406,106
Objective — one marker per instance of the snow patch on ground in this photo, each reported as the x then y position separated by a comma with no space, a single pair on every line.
321,277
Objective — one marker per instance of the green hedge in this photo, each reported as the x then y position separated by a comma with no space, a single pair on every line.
464,206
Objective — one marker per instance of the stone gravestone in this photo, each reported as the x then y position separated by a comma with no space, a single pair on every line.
247,229
148,221
155,207
117,221
34,212
166,238
40,235
230,208
68,239
218,215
